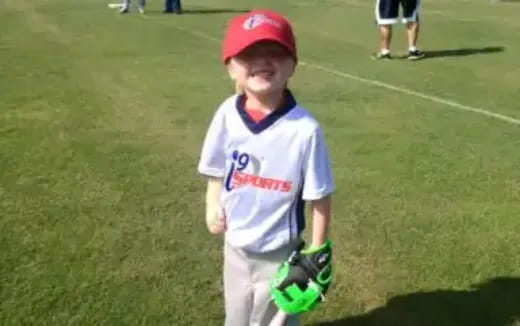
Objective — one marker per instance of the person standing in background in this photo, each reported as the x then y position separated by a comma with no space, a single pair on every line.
125,8
172,7
387,14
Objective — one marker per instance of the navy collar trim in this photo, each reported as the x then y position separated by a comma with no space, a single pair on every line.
256,128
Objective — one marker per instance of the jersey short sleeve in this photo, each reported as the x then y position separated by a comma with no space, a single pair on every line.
317,173
212,160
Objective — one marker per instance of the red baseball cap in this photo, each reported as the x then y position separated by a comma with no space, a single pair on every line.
257,25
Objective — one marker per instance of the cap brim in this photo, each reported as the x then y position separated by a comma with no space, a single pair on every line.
240,48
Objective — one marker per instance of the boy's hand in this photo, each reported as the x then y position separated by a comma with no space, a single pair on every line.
215,216
217,223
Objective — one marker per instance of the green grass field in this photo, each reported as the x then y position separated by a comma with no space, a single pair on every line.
102,118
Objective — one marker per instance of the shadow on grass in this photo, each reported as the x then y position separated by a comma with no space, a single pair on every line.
462,52
493,303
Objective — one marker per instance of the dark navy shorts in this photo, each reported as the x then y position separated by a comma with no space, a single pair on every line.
387,11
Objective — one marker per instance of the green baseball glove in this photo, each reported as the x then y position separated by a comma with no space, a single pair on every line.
303,280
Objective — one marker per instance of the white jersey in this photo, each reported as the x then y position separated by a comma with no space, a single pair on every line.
269,169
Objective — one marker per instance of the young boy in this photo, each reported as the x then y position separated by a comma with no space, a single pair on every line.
264,155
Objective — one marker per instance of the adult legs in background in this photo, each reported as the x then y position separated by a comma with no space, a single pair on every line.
411,18
387,13
140,5
125,7
385,38
172,6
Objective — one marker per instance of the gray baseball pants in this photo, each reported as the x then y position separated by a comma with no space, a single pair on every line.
247,278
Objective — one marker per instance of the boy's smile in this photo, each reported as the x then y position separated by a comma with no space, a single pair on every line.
263,67
265,73
262,74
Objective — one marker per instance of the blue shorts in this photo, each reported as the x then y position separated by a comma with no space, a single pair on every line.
387,11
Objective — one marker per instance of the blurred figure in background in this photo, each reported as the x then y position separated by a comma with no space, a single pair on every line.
125,8
387,14
172,7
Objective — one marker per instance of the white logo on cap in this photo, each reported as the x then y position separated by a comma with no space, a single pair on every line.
257,20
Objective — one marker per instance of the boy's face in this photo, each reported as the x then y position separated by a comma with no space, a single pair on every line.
262,68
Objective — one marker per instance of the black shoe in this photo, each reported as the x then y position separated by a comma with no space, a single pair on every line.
415,55
124,10
381,56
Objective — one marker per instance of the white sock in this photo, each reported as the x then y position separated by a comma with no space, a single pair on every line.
385,51
412,48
